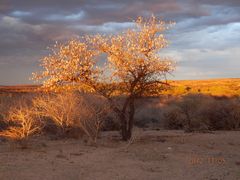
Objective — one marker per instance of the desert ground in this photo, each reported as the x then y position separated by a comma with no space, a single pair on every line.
150,155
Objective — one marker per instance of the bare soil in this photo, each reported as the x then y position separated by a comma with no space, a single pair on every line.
151,155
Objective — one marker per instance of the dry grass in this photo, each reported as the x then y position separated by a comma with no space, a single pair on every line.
19,89
215,87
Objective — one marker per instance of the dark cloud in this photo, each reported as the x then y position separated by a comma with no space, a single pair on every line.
203,27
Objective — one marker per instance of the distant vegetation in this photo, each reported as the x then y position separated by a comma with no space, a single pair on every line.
19,89
214,87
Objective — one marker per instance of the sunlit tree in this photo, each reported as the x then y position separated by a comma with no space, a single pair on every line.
133,68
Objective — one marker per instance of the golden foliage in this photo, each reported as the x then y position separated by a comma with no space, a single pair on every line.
133,61
133,57
68,64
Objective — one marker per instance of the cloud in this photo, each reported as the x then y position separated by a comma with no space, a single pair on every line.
106,28
69,17
21,13
204,41
198,64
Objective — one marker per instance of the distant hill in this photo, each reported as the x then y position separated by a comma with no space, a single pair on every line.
18,88
216,87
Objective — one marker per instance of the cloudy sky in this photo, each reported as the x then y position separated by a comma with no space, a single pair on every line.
205,41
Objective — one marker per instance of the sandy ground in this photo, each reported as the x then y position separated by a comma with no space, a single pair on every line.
153,155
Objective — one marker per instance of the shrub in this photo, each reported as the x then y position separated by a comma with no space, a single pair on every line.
111,123
223,114
172,118
71,111
3,124
149,112
190,107
60,108
96,111
234,120
201,113
23,123
185,113
5,104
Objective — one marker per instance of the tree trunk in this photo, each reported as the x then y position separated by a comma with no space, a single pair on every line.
131,118
127,124
124,128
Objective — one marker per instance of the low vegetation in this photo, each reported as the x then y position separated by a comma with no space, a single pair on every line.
202,113
69,112
74,114
23,122
215,87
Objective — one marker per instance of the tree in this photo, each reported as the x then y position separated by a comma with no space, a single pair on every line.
133,68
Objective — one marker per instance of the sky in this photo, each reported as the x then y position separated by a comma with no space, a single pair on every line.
205,42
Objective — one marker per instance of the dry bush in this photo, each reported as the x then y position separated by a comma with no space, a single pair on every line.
173,118
60,108
9,100
202,113
96,111
234,120
148,113
23,123
190,107
3,124
222,114
5,104
111,123
216,115
72,111
185,113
